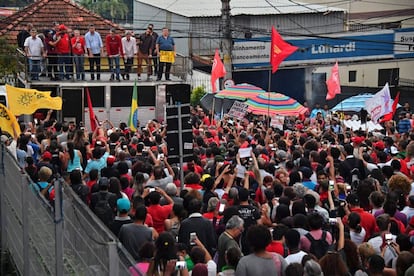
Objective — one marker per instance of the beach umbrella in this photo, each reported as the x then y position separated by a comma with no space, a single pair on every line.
219,104
354,103
270,103
239,92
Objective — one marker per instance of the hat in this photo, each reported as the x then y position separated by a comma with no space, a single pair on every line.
4,138
352,199
212,204
47,156
204,177
123,205
223,150
154,148
281,155
110,160
62,27
394,150
134,140
379,145
218,158
358,139
109,132
146,176
103,182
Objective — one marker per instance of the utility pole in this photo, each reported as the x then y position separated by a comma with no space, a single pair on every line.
226,40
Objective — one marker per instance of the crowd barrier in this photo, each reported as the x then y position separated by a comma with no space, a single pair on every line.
63,239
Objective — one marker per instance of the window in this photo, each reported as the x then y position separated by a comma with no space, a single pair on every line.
352,76
388,75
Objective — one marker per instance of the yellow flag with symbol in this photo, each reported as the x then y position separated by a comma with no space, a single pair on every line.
27,101
8,122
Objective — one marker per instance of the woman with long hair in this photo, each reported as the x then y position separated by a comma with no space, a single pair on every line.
81,143
356,231
74,158
166,257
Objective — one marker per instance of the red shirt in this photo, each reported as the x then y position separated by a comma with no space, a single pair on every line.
276,247
159,215
63,46
367,221
113,45
78,45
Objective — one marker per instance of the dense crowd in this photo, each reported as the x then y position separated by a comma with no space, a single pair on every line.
314,198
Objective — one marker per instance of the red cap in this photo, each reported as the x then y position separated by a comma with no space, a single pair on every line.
379,145
154,148
110,160
358,139
62,27
47,155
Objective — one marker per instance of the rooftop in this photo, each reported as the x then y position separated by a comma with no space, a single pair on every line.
43,13
209,8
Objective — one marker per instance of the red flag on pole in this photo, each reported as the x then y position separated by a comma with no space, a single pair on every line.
334,87
217,71
279,50
92,116
388,117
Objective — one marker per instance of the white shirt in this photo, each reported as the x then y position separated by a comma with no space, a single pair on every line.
129,46
34,47
295,258
358,238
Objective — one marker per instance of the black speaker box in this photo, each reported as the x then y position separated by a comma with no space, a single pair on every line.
178,93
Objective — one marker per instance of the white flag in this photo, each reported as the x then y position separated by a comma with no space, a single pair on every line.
380,104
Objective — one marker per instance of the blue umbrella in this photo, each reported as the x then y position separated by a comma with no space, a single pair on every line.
354,103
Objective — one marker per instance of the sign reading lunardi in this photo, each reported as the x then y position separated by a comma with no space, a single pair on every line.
385,44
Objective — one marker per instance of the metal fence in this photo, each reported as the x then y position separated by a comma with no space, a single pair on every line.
42,241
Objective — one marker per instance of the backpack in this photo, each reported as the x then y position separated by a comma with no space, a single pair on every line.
318,247
103,210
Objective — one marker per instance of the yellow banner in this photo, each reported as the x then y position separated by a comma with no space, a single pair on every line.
27,101
8,122
167,56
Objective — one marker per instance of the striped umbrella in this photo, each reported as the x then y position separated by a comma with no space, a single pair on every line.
354,103
270,103
239,92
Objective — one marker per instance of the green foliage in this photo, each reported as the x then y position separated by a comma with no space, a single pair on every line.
8,61
109,9
197,94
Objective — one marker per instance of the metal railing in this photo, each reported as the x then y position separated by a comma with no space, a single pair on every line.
64,239
181,68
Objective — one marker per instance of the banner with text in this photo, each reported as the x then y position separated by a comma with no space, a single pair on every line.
238,110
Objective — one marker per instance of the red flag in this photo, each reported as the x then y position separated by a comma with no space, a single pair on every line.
217,71
388,117
334,87
92,116
279,50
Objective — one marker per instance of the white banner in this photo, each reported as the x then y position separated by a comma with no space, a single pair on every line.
238,110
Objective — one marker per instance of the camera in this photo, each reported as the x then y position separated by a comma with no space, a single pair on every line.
388,238
332,221
193,237
180,265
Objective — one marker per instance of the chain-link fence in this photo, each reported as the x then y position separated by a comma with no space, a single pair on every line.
42,241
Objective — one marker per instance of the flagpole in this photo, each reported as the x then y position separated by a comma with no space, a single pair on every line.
268,97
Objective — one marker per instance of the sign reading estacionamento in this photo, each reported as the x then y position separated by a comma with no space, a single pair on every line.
350,47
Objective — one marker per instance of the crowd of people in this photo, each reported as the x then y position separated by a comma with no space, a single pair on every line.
314,198
61,52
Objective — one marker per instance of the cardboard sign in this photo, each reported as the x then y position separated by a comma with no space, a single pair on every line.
238,110
167,56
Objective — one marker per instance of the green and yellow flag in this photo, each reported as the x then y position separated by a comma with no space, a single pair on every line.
8,122
133,115
27,101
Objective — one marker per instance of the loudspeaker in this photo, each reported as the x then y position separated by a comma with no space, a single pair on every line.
178,93
173,133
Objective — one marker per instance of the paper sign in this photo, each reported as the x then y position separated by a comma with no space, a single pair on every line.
240,171
238,110
245,152
167,56
277,122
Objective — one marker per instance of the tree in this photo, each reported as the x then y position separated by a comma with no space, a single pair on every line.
109,9
197,94
8,61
